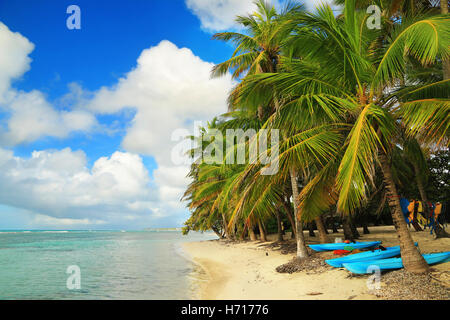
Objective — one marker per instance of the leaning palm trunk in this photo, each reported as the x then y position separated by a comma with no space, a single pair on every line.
262,232
355,231
302,251
412,259
322,231
280,231
225,226
243,234
348,234
251,232
290,217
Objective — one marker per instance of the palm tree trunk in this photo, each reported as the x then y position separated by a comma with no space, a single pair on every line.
225,226
355,231
233,233
333,222
324,221
364,223
290,217
311,229
280,231
243,234
322,231
348,234
302,251
251,232
335,230
217,232
412,259
262,233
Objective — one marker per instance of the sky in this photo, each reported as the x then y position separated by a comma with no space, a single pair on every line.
91,119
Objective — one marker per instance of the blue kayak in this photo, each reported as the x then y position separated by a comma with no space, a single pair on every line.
394,263
365,256
342,246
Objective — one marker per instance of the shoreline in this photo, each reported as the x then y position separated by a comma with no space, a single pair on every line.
246,270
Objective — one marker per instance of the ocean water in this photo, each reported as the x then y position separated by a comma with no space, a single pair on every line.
113,265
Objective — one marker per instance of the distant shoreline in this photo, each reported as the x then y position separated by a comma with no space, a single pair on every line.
90,230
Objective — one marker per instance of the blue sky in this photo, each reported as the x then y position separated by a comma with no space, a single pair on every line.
87,116
112,36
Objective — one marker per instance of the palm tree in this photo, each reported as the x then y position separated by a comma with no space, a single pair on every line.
341,60
258,48
209,183
259,51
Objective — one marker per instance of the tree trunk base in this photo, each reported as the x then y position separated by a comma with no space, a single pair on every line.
279,227
251,233
322,230
311,229
355,232
348,235
366,230
413,261
262,232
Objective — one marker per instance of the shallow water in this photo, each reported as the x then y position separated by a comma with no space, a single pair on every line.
113,265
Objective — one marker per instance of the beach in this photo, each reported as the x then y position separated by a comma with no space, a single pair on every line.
246,270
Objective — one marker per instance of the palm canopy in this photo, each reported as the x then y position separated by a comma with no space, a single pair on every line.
336,58
258,47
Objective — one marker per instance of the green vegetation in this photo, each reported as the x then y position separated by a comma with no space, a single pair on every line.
363,114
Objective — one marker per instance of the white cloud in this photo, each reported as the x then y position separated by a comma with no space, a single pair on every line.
47,221
220,15
14,60
58,186
30,115
170,88
313,4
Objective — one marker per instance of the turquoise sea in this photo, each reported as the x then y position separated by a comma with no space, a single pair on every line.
112,264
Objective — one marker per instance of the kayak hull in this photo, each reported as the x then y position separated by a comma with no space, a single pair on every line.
393,263
365,256
340,246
